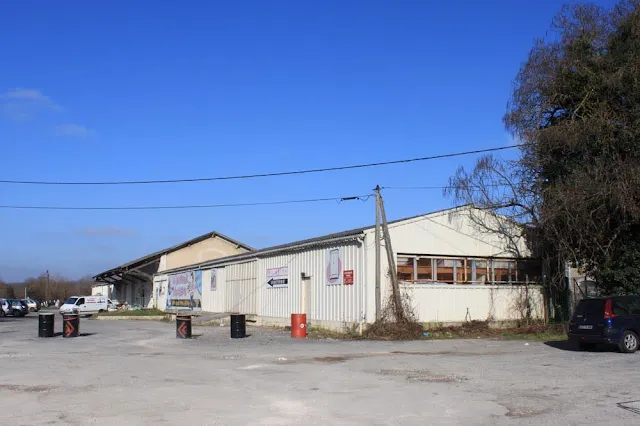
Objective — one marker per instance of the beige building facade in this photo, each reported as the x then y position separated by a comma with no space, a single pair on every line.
132,282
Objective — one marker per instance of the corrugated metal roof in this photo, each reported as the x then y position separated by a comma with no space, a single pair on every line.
338,236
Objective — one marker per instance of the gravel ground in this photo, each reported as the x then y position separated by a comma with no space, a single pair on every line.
138,373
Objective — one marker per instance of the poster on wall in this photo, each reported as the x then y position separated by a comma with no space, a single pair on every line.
278,277
185,290
213,283
334,266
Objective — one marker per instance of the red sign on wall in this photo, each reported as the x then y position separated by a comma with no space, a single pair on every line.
347,277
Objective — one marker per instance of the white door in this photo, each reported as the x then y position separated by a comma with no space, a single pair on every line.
81,304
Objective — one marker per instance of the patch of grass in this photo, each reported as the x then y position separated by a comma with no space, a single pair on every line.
388,330
468,330
541,332
481,330
134,313
323,333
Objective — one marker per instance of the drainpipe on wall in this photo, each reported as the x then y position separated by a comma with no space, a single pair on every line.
363,313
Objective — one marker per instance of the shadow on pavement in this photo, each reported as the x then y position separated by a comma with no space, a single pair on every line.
565,345
631,406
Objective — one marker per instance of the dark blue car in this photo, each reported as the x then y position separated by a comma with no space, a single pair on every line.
607,320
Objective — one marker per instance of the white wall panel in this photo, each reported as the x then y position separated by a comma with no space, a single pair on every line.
241,288
214,301
458,303
337,302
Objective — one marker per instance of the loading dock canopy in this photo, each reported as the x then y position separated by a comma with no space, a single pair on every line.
137,272
141,270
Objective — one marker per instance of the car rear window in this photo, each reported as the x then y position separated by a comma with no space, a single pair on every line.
590,307
621,306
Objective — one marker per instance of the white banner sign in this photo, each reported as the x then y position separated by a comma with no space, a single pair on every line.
278,277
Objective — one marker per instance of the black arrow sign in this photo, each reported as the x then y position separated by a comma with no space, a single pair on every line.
278,281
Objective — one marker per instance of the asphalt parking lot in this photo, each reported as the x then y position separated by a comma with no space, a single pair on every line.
138,373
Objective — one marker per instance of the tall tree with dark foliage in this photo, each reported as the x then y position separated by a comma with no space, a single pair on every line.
575,108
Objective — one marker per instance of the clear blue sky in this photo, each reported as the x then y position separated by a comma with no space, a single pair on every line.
126,90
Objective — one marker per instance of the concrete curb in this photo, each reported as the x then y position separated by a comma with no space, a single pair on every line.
135,318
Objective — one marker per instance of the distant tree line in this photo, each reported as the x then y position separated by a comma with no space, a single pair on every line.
46,287
6,291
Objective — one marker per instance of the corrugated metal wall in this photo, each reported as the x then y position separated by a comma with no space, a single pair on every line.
342,303
240,288
207,294
456,303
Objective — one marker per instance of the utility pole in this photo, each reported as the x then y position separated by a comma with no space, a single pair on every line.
395,288
378,266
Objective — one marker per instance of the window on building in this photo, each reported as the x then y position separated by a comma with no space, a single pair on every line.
416,268
405,268
449,270
529,271
425,269
505,271
465,272
482,275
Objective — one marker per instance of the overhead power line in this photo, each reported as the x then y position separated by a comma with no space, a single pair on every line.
183,207
261,175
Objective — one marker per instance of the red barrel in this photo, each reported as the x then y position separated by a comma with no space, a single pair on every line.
298,326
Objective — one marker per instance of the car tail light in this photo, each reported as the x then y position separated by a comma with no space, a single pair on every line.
608,310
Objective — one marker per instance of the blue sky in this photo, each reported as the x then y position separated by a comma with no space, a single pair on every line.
158,90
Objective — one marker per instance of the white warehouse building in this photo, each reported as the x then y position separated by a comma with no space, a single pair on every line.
451,273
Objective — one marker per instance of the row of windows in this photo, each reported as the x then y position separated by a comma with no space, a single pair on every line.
424,269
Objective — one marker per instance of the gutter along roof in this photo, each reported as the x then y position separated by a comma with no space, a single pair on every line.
311,242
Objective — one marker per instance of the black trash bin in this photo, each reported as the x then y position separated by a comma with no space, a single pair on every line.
70,325
238,326
45,324
183,326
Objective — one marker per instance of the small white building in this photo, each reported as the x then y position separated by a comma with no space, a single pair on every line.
132,282
450,272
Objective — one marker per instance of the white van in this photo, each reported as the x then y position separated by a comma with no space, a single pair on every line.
85,305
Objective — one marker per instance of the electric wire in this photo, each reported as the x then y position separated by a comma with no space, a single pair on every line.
261,175
362,198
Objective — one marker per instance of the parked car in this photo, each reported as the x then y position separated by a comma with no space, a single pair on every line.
607,320
85,305
15,308
5,307
33,305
